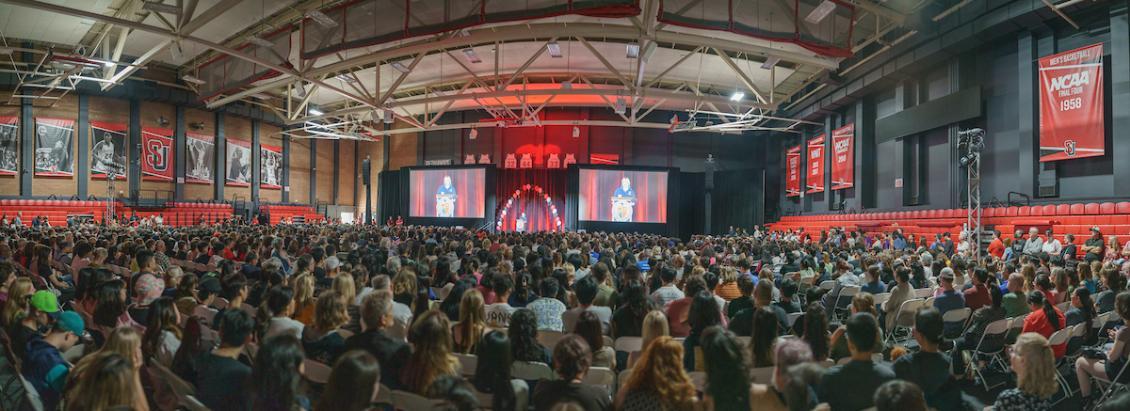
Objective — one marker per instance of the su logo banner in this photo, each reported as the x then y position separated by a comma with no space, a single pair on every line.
157,154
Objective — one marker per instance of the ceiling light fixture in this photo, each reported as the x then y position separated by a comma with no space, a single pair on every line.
321,18
473,57
737,96
821,12
315,112
770,62
576,132
473,134
176,52
192,79
399,67
160,7
554,49
621,106
346,78
633,50
389,117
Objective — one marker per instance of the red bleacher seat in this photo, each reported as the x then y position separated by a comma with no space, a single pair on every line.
1077,209
1091,208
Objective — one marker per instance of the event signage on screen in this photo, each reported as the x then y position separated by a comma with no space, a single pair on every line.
815,177
1071,104
53,147
843,157
157,153
622,196
792,172
447,192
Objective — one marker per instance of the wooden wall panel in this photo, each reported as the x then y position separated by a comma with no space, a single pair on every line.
402,150
201,122
61,187
236,128
110,110
325,174
151,114
270,135
10,185
347,172
300,170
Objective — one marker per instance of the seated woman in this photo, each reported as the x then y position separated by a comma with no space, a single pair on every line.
431,352
654,326
1032,360
658,381
1116,358
325,340
770,395
492,374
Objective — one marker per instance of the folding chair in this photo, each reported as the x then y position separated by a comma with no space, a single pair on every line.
469,362
843,301
1015,325
997,328
1114,384
904,317
881,298
792,317
828,285
954,321
404,400
531,371
923,292
762,375
549,339
1057,338
603,377
316,372
628,344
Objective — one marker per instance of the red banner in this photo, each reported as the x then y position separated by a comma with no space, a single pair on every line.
815,175
1071,104
843,157
157,154
792,171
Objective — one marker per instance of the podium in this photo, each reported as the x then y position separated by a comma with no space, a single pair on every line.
622,208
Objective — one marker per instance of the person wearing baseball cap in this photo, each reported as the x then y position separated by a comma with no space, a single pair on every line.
41,307
1094,246
44,366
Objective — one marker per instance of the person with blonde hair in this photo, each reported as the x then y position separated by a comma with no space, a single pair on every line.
431,353
654,326
727,287
1032,360
325,340
860,303
304,301
658,381
16,306
103,381
472,322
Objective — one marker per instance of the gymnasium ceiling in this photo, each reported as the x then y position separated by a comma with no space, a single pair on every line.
725,81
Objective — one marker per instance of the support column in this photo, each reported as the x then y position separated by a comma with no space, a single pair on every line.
337,171
831,198
865,188
313,172
82,133
356,172
219,176
285,178
27,132
1027,99
256,168
1120,93
180,148
133,147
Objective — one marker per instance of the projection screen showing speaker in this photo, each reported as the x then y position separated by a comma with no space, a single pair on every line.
622,196
447,193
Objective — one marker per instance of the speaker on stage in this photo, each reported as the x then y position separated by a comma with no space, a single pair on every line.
366,170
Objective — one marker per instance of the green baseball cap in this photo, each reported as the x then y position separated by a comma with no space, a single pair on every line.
71,322
45,301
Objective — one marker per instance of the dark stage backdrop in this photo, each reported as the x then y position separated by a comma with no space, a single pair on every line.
539,215
691,204
389,200
597,187
738,200
467,184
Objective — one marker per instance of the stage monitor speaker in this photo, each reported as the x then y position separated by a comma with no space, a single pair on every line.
1047,180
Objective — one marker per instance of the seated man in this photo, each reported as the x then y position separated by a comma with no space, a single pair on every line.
571,360
843,385
376,316
44,366
222,379
929,368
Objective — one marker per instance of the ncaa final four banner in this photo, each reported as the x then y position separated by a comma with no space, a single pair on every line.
792,170
1071,104
815,176
270,167
843,157
9,145
157,154
108,150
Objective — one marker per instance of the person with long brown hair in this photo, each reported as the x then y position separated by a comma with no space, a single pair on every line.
105,380
325,340
353,385
431,352
658,381
163,333
472,322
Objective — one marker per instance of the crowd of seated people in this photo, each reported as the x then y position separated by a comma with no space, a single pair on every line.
344,317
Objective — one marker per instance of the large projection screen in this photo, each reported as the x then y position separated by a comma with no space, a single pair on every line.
447,193
625,196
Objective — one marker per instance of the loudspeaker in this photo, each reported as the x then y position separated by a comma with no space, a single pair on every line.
366,171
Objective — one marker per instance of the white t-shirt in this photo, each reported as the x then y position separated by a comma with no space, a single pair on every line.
498,315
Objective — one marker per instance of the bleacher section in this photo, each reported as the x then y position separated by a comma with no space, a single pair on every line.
1077,219
293,213
57,211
